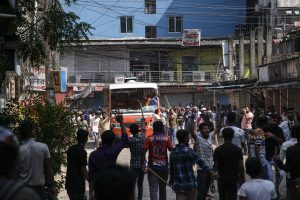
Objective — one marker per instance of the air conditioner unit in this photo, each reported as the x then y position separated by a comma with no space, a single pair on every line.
199,76
167,76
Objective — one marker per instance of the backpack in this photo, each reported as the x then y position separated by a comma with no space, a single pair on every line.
9,189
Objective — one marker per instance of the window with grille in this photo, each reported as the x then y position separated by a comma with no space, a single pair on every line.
126,24
175,24
150,31
150,6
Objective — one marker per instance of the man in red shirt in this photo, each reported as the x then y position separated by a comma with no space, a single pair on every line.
158,144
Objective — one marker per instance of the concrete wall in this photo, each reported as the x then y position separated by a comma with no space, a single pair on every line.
95,64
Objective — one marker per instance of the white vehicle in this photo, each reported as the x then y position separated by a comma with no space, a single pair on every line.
134,99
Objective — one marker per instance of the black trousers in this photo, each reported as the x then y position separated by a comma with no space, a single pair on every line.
139,178
227,189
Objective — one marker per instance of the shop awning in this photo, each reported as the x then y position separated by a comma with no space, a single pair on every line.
81,94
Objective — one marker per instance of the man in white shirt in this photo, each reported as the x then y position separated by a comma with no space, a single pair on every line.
239,134
288,124
256,188
155,116
95,129
291,142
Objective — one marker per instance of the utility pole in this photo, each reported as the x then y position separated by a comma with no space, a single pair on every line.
241,56
260,45
230,56
252,54
269,45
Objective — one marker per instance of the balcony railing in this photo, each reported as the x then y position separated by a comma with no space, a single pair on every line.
151,76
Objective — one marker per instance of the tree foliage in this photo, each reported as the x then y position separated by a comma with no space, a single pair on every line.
42,27
54,127
47,26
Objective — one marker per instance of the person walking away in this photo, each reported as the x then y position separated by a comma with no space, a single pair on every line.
173,123
107,154
136,146
77,167
256,188
288,124
228,161
35,164
95,129
257,144
204,149
291,166
9,162
239,134
92,116
158,143
182,159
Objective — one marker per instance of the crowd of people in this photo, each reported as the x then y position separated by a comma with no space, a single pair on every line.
215,141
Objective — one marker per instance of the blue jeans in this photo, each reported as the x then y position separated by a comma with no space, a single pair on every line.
172,133
203,179
96,137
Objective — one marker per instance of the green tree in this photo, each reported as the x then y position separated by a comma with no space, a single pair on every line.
42,27
55,127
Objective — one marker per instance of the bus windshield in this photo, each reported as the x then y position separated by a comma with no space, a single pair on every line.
134,99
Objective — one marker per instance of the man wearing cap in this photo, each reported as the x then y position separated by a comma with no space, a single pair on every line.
9,154
136,146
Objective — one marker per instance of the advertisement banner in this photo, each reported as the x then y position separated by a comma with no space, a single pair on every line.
191,37
37,79
59,81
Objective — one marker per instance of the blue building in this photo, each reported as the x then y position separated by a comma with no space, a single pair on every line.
161,18
142,39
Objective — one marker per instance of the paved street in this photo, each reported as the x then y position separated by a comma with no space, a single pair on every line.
124,159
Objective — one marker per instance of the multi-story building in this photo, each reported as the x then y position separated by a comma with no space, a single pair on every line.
278,77
144,39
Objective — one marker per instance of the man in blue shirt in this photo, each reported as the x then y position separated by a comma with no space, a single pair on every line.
182,159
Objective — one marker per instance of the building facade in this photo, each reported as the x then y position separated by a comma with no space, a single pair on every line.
162,18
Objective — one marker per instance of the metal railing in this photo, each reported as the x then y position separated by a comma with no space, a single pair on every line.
150,76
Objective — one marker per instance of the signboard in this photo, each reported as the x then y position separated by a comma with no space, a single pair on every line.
297,23
288,3
119,79
59,81
37,79
191,37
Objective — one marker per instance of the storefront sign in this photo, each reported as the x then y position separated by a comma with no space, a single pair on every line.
191,37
